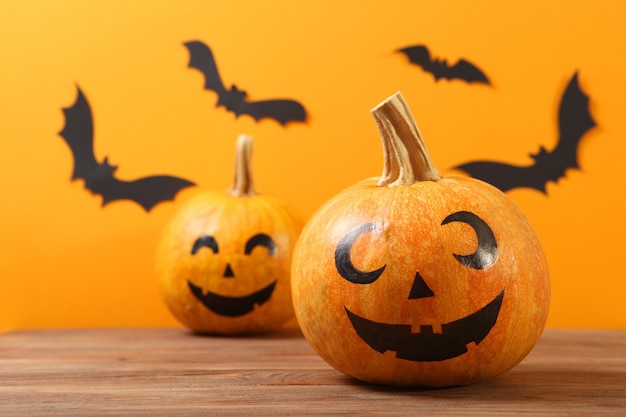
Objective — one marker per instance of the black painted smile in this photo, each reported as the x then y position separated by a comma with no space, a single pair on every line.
232,306
427,346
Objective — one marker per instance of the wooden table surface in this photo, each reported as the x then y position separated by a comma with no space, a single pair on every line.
171,372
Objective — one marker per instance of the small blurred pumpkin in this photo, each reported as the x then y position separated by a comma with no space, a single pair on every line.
223,263
418,279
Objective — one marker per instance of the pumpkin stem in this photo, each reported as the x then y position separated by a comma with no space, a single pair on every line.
406,158
243,186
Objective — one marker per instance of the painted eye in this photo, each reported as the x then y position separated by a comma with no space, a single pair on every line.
260,239
343,263
487,252
204,242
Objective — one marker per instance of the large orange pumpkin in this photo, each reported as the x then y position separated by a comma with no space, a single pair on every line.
223,263
418,279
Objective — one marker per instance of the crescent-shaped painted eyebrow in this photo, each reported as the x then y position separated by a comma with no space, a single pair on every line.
486,253
344,264
205,241
260,239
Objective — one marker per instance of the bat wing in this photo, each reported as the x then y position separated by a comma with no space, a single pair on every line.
147,191
99,178
201,58
504,176
283,111
78,134
574,121
420,56
462,70
234,99
466,71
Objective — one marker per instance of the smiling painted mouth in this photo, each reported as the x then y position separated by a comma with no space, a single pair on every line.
427,346
232,306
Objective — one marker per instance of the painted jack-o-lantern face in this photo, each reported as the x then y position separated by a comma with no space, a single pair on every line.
228,305
436,281
223,264
425,345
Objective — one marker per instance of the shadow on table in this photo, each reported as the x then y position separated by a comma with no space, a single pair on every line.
528,383
284,333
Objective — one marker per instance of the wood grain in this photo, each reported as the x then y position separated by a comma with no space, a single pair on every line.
171,372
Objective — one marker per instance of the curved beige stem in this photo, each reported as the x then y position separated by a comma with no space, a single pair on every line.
243,185
406,159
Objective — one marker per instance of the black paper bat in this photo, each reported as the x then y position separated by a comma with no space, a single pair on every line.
234,99
574,121
99,176
439,68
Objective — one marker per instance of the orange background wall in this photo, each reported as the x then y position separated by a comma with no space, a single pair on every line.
65,261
